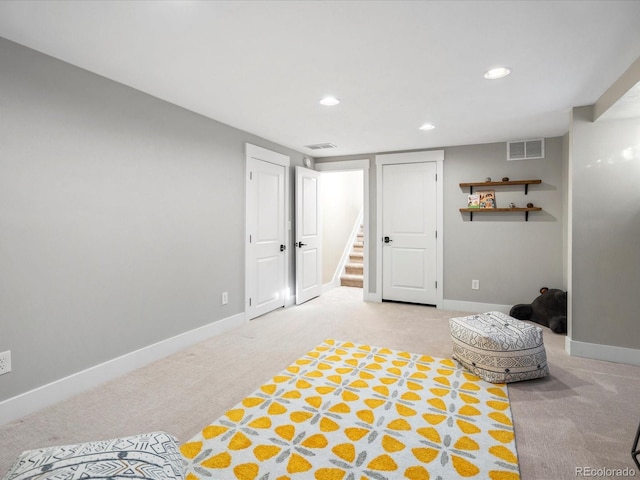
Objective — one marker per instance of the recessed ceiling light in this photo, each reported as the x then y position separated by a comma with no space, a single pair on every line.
427,126
329,101
495,73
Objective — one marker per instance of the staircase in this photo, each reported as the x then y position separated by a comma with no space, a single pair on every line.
354,269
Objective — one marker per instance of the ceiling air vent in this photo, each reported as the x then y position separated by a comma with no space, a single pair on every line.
321,146
525,149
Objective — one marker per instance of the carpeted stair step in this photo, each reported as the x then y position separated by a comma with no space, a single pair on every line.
356,257
354,268
351,281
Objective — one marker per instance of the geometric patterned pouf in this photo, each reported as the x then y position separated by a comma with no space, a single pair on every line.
149,456
498,348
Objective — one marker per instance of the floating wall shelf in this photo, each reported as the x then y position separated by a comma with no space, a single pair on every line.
526,184
526,210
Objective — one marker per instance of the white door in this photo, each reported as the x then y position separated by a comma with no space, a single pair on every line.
308,235
266,236
409,247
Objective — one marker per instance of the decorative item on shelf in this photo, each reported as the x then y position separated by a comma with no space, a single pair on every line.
505,179
488,179
487,199
512,205
473,201
529,205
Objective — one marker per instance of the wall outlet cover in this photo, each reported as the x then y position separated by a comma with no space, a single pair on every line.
5,362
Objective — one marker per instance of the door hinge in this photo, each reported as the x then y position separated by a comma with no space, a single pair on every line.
250,175
436,177
250,239
436,233
249,302
436,284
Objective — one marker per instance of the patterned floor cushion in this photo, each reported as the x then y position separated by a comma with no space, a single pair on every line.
498,348
151,456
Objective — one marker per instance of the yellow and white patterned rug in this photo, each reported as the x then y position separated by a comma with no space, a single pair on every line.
350,412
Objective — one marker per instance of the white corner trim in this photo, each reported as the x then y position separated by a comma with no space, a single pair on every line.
46,395
410,157
474,307
607,353
345,166
260,153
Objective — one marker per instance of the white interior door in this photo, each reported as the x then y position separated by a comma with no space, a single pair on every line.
266,236
409,247
308,235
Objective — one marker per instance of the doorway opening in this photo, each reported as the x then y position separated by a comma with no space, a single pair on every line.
342,231
346,244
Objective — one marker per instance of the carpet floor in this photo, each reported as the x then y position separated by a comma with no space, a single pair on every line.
346,411
583,415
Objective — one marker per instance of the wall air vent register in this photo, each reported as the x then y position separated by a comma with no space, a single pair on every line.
321,146
525,149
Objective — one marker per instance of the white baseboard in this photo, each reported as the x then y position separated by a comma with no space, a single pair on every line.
596,351
474,307
455,305
371,297
335,283
46,395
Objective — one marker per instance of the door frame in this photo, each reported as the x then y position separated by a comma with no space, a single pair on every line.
346,166
269,156
436,156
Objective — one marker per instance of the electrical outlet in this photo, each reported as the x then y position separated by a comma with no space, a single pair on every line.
225,298
5,362
475,284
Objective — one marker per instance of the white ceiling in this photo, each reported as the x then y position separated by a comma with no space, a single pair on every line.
262,66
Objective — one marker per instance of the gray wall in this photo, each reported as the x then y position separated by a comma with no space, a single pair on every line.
605,228
511,258
122,218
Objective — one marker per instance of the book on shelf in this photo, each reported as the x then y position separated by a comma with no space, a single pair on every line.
473,201
487,199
